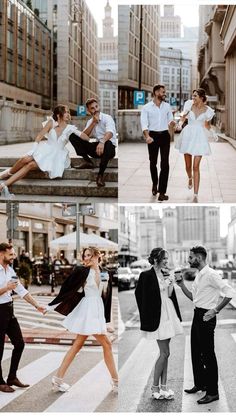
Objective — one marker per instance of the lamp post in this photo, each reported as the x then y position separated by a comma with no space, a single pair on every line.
180,79
78,9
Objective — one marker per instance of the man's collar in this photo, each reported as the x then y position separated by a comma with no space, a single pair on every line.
203,270
2,267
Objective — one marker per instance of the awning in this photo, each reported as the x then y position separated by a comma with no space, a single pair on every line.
68,242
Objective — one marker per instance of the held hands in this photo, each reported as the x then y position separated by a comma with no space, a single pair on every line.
100,149
172,124
41,309
209,315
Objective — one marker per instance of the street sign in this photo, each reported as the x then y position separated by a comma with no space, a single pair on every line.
139,97
173,101
12,223
81,110
86,209
69,210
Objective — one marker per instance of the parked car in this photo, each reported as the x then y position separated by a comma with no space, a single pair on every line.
136,272
126,279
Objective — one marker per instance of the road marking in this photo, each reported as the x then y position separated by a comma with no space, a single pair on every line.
133,321
33,373
134,374
121,326
37,325
6,354
189,401
87,393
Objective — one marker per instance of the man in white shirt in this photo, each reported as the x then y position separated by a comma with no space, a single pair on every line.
8,323
102,127
156,118
206,291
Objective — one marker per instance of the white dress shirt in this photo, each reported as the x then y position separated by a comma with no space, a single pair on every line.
155,118
207,288
105,124
5,276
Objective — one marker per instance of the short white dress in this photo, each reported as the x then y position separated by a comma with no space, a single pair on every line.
170,324
51,155
88,317
194,138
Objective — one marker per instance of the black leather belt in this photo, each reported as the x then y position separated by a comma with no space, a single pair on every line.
159,132
10,303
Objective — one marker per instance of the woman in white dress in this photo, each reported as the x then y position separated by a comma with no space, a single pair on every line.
83,299
193,141
49,155
159,315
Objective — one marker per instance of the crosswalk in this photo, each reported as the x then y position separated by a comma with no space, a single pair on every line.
88,376
136,375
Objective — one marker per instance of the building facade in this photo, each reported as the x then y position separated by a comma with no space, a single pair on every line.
129,235
211,60
170,23
176,75
138,51
75,50
108,66
25,56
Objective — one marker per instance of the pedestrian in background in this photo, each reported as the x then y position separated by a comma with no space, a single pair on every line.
159,315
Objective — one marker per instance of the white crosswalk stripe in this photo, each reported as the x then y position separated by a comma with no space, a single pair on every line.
92,388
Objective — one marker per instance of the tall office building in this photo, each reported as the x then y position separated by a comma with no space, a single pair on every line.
108,66
138,51
170,23
25,56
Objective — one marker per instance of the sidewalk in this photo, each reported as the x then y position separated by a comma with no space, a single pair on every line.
217,184
59,337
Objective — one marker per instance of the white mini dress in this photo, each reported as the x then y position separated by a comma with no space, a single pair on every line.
170,325
51,155
194,138
88,317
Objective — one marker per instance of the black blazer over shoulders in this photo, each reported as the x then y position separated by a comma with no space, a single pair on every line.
69,297
148,299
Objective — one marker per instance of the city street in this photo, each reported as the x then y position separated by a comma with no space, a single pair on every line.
217,184
41,359
137,358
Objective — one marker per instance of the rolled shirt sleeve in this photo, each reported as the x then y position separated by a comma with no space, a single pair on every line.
110,125
169,114
144,119
222,285
20,290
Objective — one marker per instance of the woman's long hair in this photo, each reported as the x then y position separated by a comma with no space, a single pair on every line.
157,255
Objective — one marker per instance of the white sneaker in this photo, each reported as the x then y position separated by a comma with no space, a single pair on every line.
115,385
5,192
167,394
58,385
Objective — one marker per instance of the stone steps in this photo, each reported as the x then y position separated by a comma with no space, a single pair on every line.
78,184
75,161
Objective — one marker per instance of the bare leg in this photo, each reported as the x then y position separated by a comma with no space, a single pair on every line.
108,355
75,348
196,173
20,163
160,372
32,165
188,167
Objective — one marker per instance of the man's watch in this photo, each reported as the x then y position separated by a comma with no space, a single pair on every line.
102,141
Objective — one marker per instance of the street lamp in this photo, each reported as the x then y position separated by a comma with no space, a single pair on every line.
77,10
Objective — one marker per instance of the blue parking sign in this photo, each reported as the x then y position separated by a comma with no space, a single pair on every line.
81,110
139,97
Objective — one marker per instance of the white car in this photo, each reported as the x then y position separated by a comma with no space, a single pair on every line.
126,278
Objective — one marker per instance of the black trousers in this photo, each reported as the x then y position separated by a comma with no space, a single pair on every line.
162,143
85,149
9,326
205,368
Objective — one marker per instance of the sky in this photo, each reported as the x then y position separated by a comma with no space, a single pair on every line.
188,12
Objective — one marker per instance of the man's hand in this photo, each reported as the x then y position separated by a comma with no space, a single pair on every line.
100,149
41,309
11,285
96,117
172,124
149,140
209,315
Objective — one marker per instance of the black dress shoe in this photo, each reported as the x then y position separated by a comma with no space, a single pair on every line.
154,190
17,383
163,197
208,399
100,181
194,389
85,165
6,388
